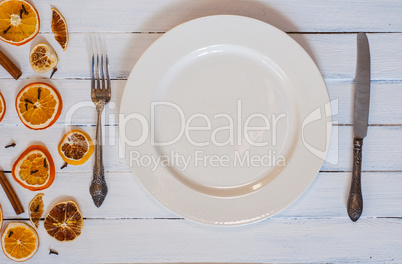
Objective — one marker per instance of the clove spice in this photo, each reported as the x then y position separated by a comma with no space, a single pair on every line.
25,11
64,165
6,30
11,145
52,251
53,72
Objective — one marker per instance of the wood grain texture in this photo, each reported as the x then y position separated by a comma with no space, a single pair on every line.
325,198
131,227
288,15
378,155
78,109
272,240
334,54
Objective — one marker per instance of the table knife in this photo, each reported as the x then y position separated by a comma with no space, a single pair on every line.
360,123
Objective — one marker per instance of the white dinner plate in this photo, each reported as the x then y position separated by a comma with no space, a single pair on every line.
225,120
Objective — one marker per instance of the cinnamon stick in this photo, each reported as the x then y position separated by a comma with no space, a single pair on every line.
9,66
12,196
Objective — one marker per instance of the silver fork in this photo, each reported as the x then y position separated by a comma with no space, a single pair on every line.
101,94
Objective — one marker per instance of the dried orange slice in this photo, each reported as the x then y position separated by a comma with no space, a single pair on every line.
43,58
34,168
1,217
76,147
38,105
2,107
36,209
19,241
64,221
19,22
59,28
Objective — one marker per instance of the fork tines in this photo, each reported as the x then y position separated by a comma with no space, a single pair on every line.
100,73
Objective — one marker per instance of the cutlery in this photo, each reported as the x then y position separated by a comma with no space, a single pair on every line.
360,123
101,94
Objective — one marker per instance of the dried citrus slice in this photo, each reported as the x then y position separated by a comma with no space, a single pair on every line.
34,168
19,241
59,28
38,105
76,147
19,22
43,58
64,221
36,209
2,107
1,217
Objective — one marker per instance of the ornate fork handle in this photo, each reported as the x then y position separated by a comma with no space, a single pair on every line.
355,201
98,188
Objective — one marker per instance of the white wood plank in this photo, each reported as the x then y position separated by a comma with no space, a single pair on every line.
126,198
382,150
325,198
78,108
314,229
160,16
51,138
75,63
385,102
335,54
270,241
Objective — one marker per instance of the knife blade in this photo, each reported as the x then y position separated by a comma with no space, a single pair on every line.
360,123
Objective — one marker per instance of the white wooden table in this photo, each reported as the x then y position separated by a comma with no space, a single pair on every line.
130,227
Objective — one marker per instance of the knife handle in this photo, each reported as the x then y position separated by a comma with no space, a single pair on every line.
355,201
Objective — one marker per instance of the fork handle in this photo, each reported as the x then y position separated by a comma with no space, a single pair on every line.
98,188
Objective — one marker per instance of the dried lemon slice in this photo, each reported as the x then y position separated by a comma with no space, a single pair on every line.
76,147
36,209
19,241
64,222
43,58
